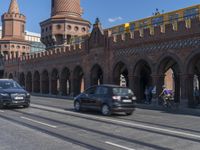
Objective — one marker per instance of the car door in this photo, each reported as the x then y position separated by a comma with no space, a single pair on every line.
88,96
101,96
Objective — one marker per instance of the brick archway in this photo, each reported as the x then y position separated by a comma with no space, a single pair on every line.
143,79
45,82
120,74
193,79
164,65
96,76
65,84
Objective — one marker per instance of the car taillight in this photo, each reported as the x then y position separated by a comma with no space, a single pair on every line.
116,98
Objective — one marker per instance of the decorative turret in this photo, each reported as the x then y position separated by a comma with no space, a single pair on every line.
13,40
66,7
13,9
13,23
64,25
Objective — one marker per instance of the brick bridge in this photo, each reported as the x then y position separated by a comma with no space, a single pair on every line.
142,57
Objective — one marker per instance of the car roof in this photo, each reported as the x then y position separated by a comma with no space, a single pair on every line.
6,79
111,85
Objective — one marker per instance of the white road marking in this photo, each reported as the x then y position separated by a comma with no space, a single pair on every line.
2,111
120,146
39,122
121,122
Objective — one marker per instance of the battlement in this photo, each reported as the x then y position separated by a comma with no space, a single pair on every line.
74,49
20,17
175,29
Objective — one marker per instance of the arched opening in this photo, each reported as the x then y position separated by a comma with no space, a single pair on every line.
55,82
143,82
96,76
45,82
120,75
65,82
169,81
169,77
36,83
79,83
10,76
193,81
22,79
29,82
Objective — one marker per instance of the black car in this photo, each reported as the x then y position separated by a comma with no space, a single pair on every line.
12,94
107,99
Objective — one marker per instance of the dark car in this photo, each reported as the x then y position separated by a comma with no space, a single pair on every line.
107,99
12,94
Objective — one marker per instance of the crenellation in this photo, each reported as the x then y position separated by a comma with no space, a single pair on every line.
152,32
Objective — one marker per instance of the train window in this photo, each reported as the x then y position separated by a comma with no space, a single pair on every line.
132,26
143,24
121,29
114,30
173,17
191,13
157,21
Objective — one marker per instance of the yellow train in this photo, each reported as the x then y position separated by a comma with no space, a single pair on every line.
158,19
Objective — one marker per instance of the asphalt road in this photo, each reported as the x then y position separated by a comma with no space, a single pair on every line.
51,124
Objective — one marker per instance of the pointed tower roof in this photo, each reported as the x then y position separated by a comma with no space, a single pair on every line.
13,7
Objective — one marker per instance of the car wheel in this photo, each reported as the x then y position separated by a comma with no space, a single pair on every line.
105,110
77,106
129,113
27,105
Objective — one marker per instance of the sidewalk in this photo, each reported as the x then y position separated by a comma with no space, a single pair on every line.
179,110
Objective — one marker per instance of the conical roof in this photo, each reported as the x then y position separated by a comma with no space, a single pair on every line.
13,7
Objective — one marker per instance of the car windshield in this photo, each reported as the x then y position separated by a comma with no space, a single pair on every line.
9,85
122,92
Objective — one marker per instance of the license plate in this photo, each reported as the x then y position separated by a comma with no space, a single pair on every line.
19,98
127,100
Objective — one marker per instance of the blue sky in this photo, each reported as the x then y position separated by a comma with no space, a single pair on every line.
110,12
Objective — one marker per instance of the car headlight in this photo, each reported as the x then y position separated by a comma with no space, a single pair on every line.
134,98
28,95
4,94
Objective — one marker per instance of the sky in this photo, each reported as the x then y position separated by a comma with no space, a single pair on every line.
110,12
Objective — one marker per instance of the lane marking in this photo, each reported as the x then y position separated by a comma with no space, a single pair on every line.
121,122
38,122
119,146
2,111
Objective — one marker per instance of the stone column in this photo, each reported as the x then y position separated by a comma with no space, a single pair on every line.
190,90
183,86
135,86
158,82
71,84
32,84
131,82
41,84
50,89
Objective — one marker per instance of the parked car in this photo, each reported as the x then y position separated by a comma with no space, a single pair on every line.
107,99
12,94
